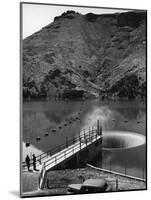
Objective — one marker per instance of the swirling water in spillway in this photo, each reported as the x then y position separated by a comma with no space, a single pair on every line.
114,140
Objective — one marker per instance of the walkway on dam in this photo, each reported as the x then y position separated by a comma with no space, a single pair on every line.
73,146
52,158
35,179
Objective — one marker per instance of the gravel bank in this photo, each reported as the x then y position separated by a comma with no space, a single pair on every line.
58,180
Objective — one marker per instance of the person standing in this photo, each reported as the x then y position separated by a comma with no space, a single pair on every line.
27,160
34,162
100,130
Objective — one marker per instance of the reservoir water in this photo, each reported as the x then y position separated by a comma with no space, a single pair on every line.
47,124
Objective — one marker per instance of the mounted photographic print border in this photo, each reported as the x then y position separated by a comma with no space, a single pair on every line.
83,99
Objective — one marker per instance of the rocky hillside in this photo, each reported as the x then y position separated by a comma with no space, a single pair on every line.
79,56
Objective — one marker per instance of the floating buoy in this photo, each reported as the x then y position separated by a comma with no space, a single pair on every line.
27,144
65,124
38,138
138,122
70,122
53,130
125,121
77,118
60,127
46,134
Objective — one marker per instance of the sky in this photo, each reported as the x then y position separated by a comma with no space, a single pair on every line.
36,16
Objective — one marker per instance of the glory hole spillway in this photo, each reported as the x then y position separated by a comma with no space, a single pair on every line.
123,124
114,140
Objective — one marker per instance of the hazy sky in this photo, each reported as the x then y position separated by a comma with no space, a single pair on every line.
36,16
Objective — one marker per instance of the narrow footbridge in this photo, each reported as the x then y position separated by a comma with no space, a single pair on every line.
73,152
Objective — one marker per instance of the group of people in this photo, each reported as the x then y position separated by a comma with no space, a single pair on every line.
28,162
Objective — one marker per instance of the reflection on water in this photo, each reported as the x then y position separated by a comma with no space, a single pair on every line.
52,122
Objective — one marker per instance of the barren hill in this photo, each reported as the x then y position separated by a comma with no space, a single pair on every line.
79,56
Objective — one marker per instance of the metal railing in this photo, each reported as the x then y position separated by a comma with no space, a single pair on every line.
58,148
80,142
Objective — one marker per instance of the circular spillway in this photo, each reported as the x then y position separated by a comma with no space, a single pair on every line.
121,140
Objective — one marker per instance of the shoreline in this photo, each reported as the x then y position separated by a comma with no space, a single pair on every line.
58,180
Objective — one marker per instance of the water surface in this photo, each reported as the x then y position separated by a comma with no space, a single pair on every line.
54,121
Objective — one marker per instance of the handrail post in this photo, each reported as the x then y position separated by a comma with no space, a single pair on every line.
55,160
40,160
100,130
80,141
116,184
86,141
98,127
43,169
39,179
66,141
89,133
73,138
84,136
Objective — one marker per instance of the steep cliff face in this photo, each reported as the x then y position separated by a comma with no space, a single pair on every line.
83,55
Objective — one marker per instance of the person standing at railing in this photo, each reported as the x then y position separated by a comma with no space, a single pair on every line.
34,162
27,160
100,130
